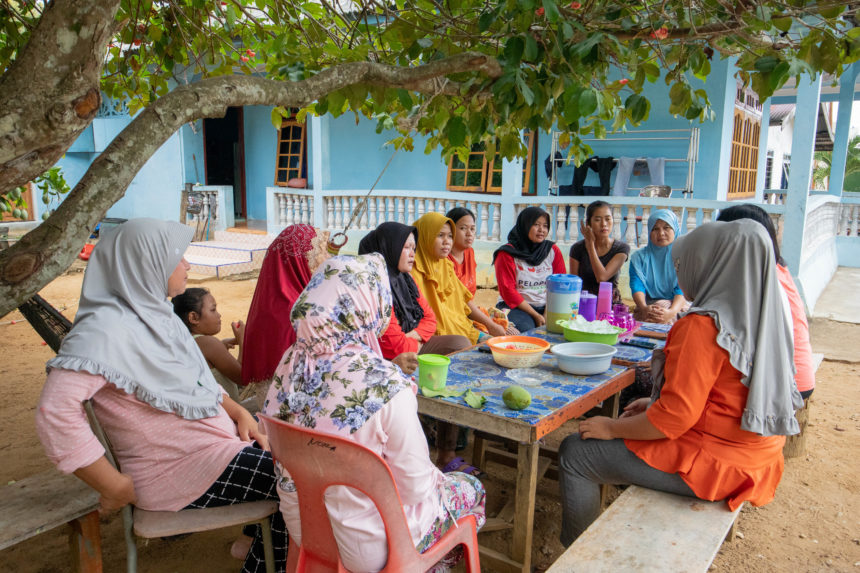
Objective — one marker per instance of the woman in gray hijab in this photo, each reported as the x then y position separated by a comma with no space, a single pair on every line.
725,394
180,441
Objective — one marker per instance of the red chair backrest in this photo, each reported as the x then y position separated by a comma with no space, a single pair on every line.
317,461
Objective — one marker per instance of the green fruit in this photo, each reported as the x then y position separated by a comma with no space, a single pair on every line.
516,398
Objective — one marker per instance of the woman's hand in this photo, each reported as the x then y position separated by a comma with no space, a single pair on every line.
118,495
539,319
495,329
249,431
413,335
587,234
238,331
635,407
596,428
408,362
660,314
512,330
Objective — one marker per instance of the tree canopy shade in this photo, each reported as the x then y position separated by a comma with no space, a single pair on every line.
456,71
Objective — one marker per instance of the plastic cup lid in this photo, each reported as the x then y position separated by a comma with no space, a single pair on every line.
433,360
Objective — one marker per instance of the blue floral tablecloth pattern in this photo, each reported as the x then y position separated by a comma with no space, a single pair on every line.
549,387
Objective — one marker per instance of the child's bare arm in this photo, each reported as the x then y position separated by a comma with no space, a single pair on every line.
220,358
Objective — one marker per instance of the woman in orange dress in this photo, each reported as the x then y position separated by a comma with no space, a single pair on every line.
724,391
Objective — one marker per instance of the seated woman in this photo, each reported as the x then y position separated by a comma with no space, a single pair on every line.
462,255
434,274
598,257
335,380
412,329
197,309
725,399
522,267
653,281
180,440
805,376
290,261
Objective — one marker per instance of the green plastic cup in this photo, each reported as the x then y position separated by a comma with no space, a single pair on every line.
432,371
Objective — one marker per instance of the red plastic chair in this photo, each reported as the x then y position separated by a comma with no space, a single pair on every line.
317,461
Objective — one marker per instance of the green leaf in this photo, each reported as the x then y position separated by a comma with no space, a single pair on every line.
782,24
456,131
528,94
766,63
530,53
404,98
486,20
474,400
514,50
587,102
639,107
444,392
550,10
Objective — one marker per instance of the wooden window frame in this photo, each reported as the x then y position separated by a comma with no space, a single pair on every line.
289,124
743,166
488,168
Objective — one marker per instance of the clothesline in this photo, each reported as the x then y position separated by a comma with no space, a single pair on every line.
615,159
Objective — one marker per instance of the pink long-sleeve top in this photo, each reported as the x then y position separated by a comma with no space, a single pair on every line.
395,434
171,460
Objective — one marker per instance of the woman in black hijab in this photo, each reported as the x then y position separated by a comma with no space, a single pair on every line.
522,267
412,329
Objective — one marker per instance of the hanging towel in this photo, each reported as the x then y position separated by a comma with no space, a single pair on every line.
622,178
656,168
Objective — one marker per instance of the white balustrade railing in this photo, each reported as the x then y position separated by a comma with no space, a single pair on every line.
293,207
209,210
849,220
339,210
630,215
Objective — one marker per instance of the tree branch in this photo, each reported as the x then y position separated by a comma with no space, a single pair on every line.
46,251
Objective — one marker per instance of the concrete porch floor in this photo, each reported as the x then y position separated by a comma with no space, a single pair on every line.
840,300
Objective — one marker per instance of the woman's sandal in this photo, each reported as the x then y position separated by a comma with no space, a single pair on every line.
460,465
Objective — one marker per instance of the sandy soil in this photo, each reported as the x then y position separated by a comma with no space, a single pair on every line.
812,525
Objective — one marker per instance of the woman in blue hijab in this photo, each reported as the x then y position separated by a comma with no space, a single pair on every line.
653,281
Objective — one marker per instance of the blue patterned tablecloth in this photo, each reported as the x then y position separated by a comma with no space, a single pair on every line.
655,327
549,387
626,354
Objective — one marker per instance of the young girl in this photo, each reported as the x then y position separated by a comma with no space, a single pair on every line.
598,257
462,254
522,267
197,309
434,274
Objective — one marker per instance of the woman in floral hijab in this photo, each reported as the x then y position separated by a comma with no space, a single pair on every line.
335,380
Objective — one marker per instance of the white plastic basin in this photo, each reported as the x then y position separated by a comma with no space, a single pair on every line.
584,358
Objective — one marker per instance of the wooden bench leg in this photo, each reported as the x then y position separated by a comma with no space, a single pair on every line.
479,450
85,543
527,469
795,446
730,536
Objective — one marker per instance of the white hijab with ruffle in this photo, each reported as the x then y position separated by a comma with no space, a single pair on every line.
125,329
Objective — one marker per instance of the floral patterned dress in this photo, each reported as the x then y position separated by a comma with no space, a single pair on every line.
335,380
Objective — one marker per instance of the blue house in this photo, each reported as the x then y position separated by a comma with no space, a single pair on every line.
256,179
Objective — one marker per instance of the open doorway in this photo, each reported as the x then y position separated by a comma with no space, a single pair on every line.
225,156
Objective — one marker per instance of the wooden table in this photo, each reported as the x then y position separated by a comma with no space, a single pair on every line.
556,398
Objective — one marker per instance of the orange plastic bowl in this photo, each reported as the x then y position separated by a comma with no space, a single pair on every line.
517,351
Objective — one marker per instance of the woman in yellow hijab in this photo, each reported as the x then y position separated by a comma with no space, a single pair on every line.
451,301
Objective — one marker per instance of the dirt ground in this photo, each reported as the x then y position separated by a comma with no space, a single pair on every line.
812,525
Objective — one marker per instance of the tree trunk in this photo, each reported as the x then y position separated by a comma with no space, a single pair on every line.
50,92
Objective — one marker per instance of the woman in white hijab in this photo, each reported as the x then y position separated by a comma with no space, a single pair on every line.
725,392
180,441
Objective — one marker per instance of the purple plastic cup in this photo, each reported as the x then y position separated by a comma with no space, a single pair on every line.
587,305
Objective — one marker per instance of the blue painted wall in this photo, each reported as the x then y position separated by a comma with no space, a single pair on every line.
261,139
155,190
194,170
358,155
707,169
